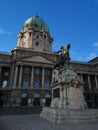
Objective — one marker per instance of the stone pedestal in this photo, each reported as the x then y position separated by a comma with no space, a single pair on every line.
76,98
63,116
69,105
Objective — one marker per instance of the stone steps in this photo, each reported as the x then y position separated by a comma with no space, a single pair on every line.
63,116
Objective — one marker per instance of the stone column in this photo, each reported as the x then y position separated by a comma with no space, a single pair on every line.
31,39
32,78
20,76
81,77
43,77
96,81
89,82
15,77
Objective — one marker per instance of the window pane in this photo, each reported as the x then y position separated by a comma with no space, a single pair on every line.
37,71
25,82
6,73
46,71
36,83
47,83
4,83
26,70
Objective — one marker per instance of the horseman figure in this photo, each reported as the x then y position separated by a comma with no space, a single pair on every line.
63,56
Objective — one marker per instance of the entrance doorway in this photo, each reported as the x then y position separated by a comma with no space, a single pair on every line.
48,102
36,102
96,101
24,99
1,99
36,99
47,99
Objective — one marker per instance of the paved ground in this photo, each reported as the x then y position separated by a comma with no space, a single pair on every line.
35,122
19,110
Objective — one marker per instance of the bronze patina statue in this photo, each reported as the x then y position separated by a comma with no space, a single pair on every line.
63,56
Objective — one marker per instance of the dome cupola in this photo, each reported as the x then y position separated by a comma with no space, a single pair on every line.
36,21
35,35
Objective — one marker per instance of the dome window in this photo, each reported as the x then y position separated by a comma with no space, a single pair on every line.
30,34
23,44
35,25
37,43
37,36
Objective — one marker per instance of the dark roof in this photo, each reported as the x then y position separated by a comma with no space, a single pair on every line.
94,60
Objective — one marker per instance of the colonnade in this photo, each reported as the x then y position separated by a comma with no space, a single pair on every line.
89,81
19,84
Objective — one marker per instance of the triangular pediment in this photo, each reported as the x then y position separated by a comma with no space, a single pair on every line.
37,59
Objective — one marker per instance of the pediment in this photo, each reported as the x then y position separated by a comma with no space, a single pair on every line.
37,59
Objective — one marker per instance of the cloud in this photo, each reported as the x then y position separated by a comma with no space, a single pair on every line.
79,58
95,44
91,56
3,32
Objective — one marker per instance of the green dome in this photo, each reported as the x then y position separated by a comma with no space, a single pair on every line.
37,22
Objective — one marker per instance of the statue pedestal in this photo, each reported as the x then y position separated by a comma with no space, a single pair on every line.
63,116
68,104
76,98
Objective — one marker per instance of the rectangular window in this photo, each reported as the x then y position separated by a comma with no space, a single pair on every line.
26,70
6,73
47,83
25,83
46,71
37,71
36,83
85,80
92,80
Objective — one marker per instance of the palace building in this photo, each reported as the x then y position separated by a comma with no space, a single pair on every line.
26,72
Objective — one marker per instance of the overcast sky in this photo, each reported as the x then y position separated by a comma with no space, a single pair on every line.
73,21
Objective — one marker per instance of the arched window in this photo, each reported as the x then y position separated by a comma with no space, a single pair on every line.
4,84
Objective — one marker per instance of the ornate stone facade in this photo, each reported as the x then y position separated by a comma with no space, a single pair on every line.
26,72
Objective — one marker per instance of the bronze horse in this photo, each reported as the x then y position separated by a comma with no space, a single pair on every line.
63,56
